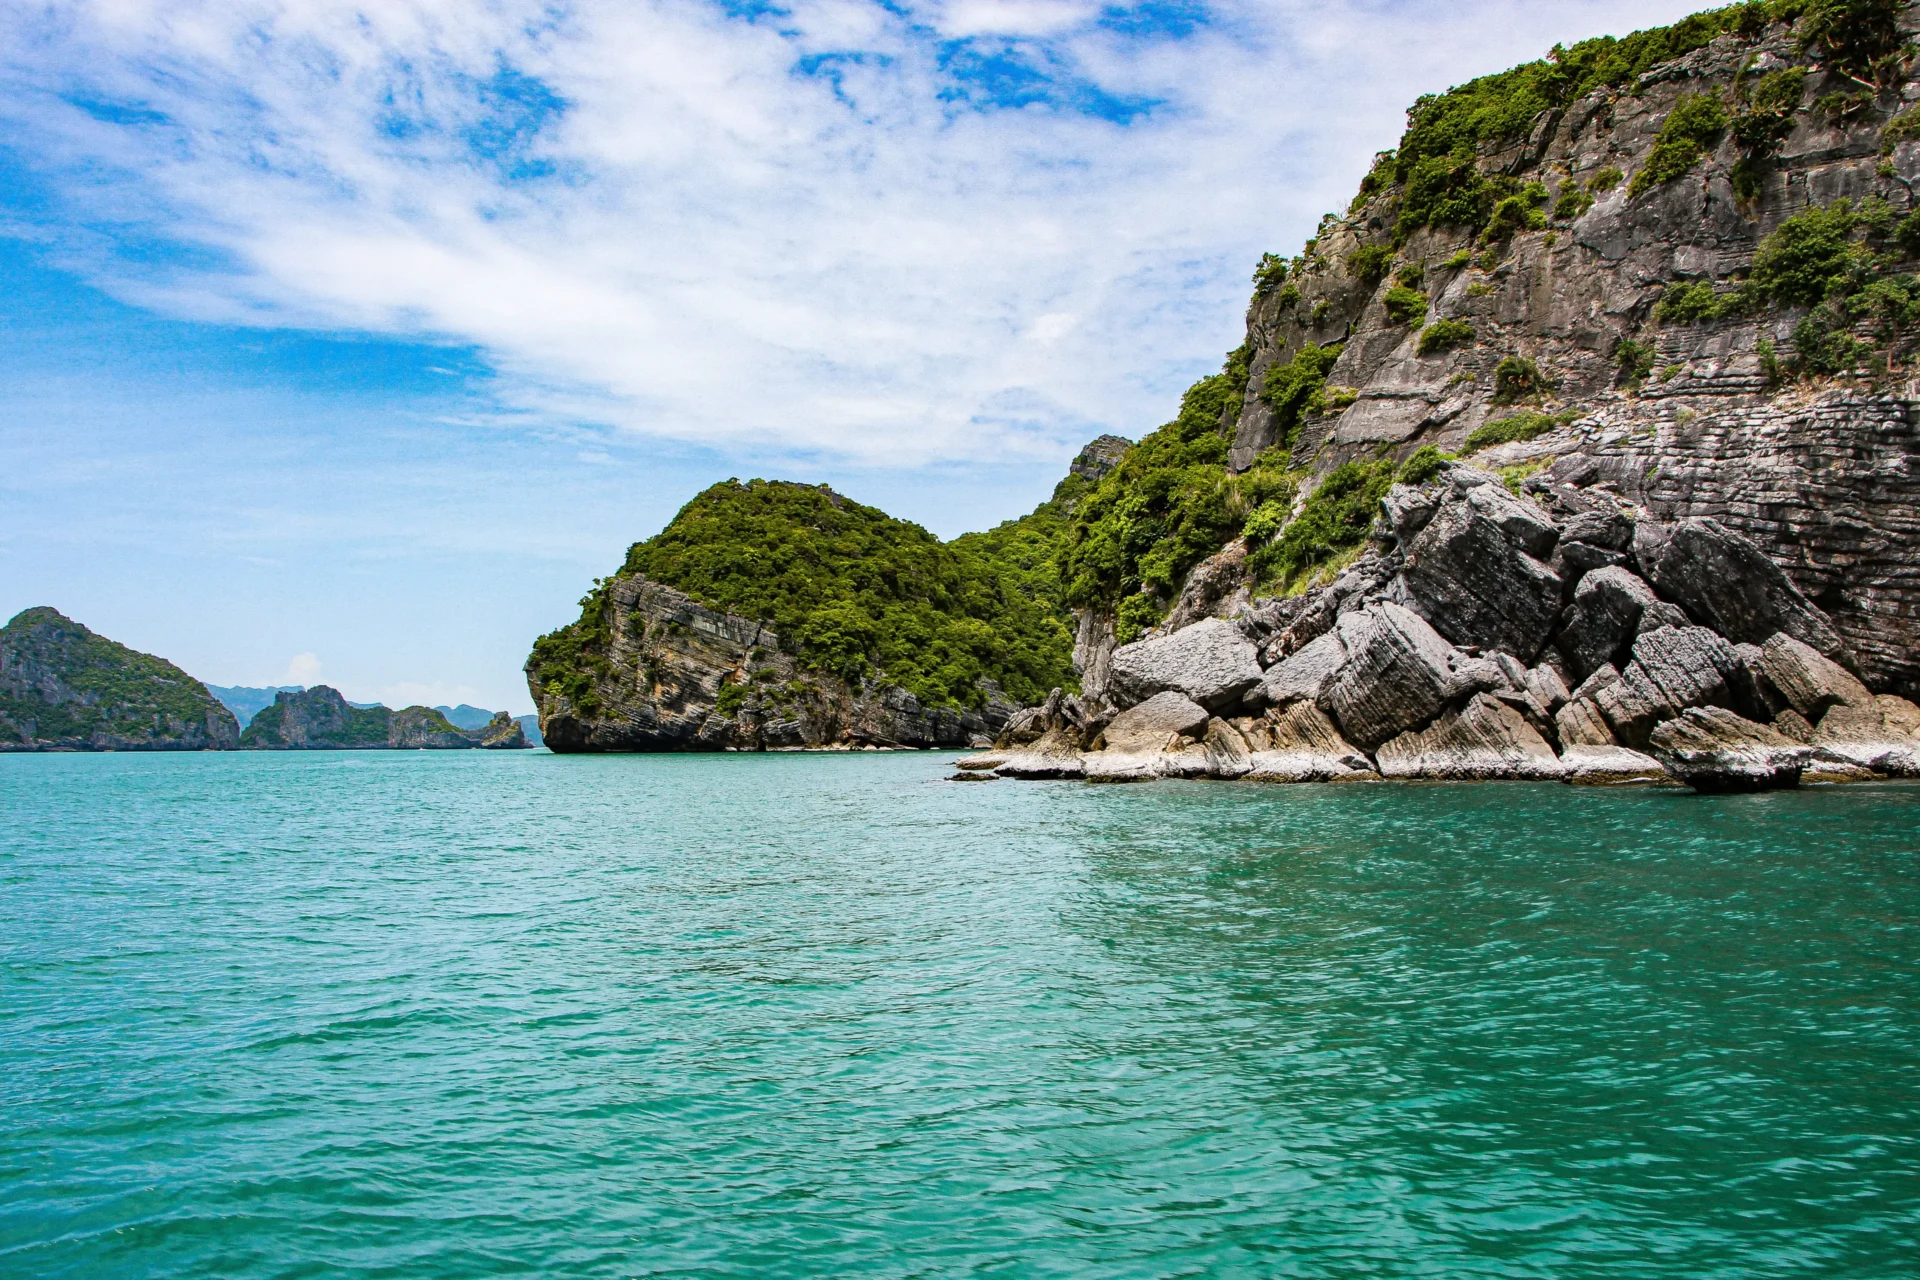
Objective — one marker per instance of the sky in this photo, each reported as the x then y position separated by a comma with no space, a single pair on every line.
348,343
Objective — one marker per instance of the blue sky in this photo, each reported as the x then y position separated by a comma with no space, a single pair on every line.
349,343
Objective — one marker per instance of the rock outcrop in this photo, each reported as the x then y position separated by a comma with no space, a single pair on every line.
671,674
1711,749
63,688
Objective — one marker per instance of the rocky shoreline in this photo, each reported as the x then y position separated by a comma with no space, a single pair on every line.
1552,634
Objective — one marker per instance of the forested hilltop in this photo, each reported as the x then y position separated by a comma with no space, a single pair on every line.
1642,281
769,613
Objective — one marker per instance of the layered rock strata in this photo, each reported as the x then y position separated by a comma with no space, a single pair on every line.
1444,658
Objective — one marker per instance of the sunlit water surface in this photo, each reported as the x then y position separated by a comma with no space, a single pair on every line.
456,1015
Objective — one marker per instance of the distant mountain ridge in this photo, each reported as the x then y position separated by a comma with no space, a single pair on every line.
320,719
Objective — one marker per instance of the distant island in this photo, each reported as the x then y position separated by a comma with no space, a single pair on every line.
64,688
247,702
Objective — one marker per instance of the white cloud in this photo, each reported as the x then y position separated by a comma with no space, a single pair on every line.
302,668
725,248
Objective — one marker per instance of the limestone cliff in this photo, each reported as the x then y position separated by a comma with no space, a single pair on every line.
1675,268
63,688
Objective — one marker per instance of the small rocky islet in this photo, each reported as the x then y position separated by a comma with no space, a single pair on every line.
64,688
1581,446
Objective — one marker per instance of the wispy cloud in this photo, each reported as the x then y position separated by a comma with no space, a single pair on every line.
893,233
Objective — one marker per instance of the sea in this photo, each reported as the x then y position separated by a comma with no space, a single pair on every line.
467,1014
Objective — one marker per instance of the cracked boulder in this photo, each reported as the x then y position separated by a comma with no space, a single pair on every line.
1211,662
1673,668
1807,680
1398,674
1726,581
1305,674
1485,739
1713,750
1475,569
1881,734
1610,607
1300,744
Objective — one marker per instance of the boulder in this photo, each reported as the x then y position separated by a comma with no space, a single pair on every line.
1725,580
1398,674
1300,744
1713,750
1408,510
1807,680
1212,662
1581,724
1305,674
1475,572
1610,607
1673,668
1881,734
1605,766
1484,739
1229,754
1547,686
1154,724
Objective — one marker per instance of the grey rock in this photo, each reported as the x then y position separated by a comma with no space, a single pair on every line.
1602,620
1408,510
1807,680
1211,662
1398,674
1713,750
1474,572
1300,744
1477,675
1305,674
1153,724
1547,686
1725,580
1612,766
1229,754
1673,668
1485,739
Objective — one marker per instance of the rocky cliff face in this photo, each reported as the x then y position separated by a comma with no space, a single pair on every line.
1548,634
63,688
1632,309
320,719
674,675
1635,329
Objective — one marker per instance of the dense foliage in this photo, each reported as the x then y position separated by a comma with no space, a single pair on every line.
1517,426
1685,136
1434,169
851,590
119,691
1171,501
1443,335
1841,262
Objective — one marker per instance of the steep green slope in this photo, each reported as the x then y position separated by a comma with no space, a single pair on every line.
63,686
852,591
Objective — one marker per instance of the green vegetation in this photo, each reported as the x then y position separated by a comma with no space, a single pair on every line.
1763,123
1269,275
1321,310
1688,303
1686,135
1633,359
1443,335
119,692
1517,378
1339,515
1522,211
1605,180
1171,502
1858,38
1423,466
1573,202
1406,306
1289,297
1296,390
1518,426
850,590
1904,127
1370,263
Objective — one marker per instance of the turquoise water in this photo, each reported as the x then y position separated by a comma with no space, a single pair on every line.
472,1014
